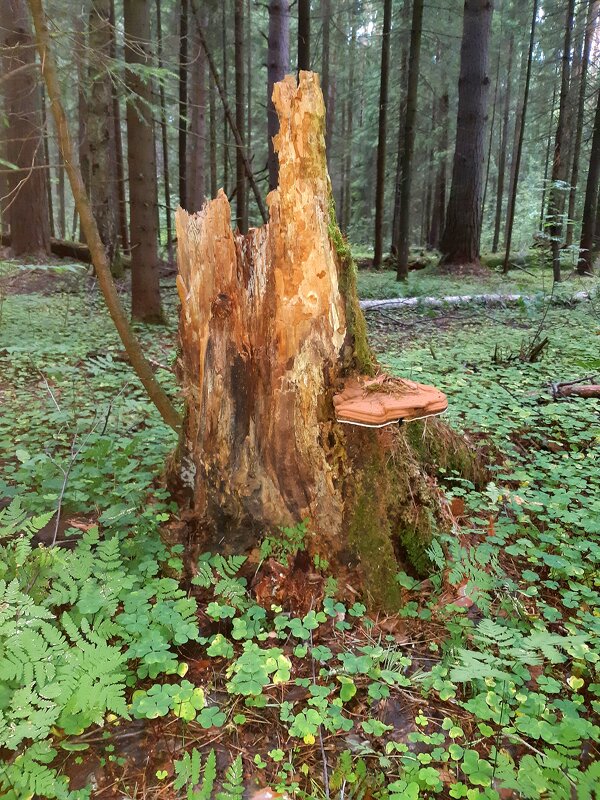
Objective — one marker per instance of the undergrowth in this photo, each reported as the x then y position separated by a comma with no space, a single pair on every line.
485,685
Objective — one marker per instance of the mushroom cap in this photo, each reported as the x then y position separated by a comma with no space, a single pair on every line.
375,402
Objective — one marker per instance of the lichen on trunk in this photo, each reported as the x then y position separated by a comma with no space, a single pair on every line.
270,327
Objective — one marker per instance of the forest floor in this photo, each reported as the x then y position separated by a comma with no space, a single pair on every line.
484,685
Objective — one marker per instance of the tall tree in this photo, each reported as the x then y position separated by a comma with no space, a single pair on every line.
196,143
141,156
382,132
558,166
590,27
303,34
585,263
240,117
503,148
118,139
100,130
325,73
164,138
512,196
403,242
26,206
348,127
183,100
461,239
278,60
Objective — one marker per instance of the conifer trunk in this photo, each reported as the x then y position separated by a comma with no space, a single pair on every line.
382,133
278,59
269,328
462,234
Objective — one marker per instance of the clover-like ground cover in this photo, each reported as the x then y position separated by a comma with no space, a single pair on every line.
121,677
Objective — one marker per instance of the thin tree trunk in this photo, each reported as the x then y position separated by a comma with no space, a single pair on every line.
462,235
196,160
488,159
590,27
27,203
46,135
240,117
512,198
438,213
100,131
325,80
118,139
248,22
163,134
585,263
223,93
554,209
403,243
101,265
213,137
350,102
303,34
547,160
403,70
382,133
62,211
278,59
503,150
143,190
183,100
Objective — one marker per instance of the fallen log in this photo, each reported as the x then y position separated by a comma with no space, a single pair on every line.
467,299
62,248
578,388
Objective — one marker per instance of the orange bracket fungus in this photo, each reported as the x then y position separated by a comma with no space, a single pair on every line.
380,401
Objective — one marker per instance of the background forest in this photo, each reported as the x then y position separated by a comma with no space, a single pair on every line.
429,626
197,84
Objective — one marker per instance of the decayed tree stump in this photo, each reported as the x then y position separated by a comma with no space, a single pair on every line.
270,327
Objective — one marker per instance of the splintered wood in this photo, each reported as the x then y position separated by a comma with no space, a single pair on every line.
262,327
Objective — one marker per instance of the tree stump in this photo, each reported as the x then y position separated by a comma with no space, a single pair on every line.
270,328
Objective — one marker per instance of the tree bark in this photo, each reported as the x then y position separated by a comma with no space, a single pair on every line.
224,94
26,206
503,150
512,198
382,133
438,212
591,22
46,135
403,70
325,77
196,141
585,263
402,245
164,134
102,268
303,35
212,102
558,166
118,137
183,100
143,190
240,118
278,60
100,130
349,127
462,234
270,328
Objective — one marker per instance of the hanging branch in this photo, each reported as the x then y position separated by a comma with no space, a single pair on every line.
234,129
90,229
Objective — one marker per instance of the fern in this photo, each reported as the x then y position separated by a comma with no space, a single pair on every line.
189,770
233,784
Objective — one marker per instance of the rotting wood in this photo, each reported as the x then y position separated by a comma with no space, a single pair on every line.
270,329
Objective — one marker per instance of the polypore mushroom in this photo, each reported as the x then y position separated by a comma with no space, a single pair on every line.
380,401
